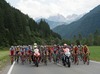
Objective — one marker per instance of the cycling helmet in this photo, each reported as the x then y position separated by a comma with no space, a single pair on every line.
65,44
35,44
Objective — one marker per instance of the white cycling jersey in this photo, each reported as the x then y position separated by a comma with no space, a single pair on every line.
67,51
36,50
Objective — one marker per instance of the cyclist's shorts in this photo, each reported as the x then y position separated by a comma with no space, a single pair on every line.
17,52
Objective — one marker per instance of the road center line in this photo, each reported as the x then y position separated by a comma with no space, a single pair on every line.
9,72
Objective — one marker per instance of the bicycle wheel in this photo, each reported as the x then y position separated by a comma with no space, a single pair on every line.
88,60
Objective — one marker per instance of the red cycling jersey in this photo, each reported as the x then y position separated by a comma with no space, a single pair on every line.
75,49
11,52
85,50
29,51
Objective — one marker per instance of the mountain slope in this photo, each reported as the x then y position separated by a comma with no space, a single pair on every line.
18,28
89,23
52,24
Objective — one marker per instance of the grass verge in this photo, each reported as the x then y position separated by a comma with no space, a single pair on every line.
95,53
4,57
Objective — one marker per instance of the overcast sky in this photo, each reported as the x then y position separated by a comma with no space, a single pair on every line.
45,8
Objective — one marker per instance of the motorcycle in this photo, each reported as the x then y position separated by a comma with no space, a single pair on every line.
66,59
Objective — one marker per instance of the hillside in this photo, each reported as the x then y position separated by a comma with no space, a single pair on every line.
86,25
18,28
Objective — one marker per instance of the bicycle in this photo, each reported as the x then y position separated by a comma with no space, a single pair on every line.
76,59
29,58
12,59
45,59
86,59
22,59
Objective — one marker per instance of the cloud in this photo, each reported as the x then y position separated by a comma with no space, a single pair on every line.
13,2
45,8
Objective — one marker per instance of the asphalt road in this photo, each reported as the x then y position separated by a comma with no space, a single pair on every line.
51,68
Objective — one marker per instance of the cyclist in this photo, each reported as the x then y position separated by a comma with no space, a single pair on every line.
12,50
65,53
36,55
29,53
66,49
75,53
81,52
45,55
17,53
86,54
23,55
85,50
50,49
17,50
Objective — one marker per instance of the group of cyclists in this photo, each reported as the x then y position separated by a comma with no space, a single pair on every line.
49,53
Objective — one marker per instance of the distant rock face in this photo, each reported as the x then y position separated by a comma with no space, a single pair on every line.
89,23
73,17
67,19
59,19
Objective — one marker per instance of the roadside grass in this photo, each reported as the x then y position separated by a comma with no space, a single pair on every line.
95,53
4,57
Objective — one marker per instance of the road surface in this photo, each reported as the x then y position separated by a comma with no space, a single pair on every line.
51,68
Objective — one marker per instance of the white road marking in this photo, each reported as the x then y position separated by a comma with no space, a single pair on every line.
94,61
9,72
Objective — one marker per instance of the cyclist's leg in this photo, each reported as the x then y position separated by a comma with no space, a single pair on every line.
12,59
88,60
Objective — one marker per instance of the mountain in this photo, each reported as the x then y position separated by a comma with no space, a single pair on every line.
86,25
59,19
73,17
16,28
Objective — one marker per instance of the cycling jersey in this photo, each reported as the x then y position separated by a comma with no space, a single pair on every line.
66,51
75,50
36,52
11,51
22,52
29,51
26,49
85,50
17,49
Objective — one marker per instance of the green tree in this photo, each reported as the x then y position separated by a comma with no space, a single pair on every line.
90,39
96,34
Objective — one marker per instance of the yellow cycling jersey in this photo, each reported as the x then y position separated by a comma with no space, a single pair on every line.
17,49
